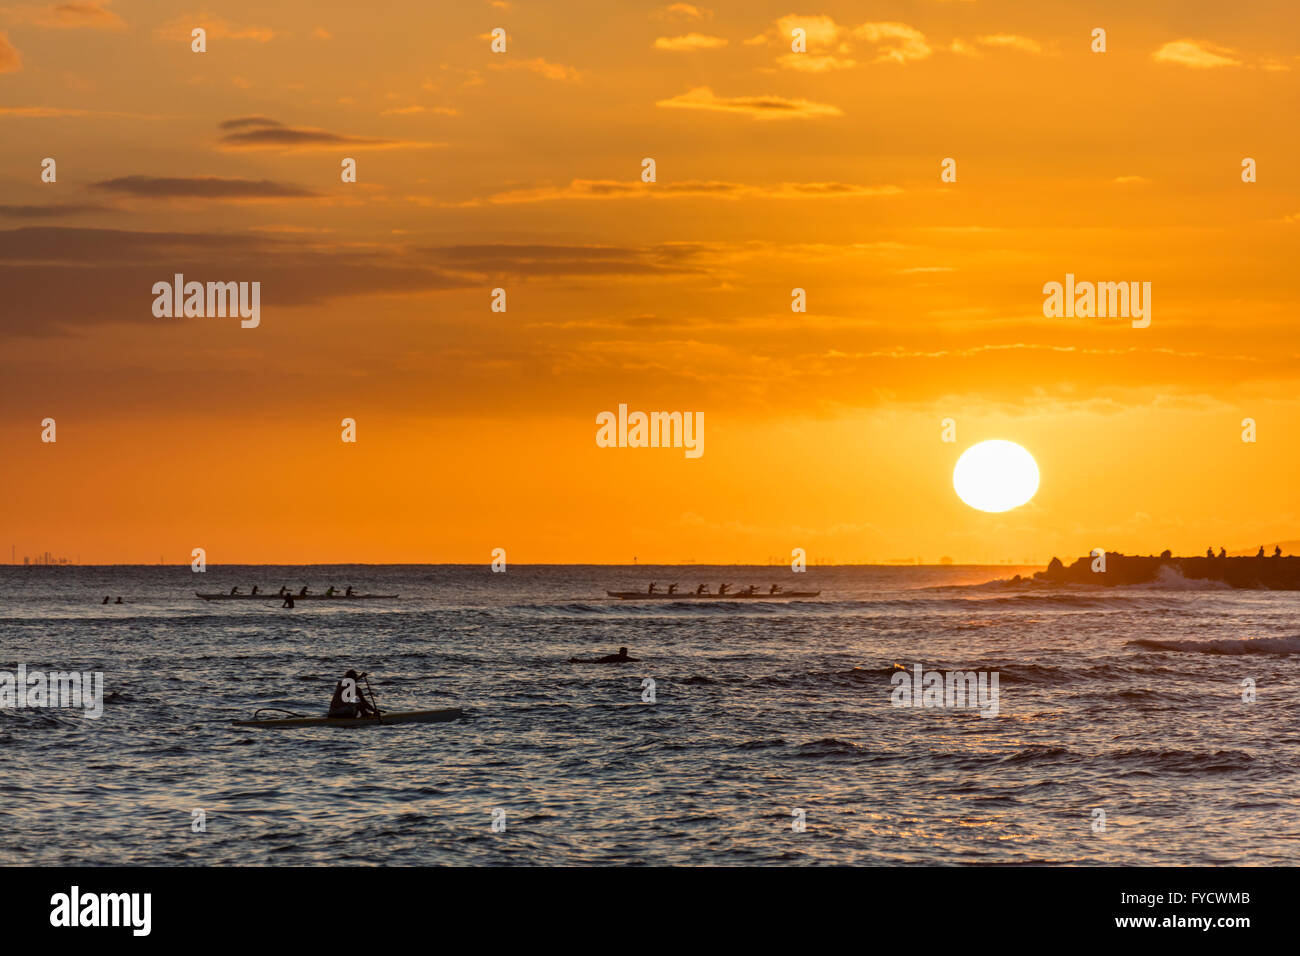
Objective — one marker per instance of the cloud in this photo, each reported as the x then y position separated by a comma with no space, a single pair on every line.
594,189
812,63
1010,41
683,11
245,122
8,211
830,46
58,277
11,60
71,16
756,107
1197,54
558,260
201,187
217,29
552,71
896,42
821,32
416,110
691,41
59,112
261,132
829,191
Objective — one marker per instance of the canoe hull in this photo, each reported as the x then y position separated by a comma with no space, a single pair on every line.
663,596
385,720
271,595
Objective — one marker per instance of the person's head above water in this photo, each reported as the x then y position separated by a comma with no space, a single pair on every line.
353,674
622,652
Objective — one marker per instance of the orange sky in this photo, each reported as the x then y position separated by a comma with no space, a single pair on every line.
522,170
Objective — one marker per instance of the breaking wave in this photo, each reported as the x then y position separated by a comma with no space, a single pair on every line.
1251,645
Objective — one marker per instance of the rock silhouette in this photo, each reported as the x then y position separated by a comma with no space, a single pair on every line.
1276,573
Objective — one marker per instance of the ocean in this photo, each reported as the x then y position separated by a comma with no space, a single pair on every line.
773,737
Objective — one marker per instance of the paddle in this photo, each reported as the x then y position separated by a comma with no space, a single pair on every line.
373,702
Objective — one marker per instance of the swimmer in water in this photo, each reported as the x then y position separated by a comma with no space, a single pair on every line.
619,658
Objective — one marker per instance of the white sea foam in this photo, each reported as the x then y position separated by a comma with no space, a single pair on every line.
1249,645
1170,578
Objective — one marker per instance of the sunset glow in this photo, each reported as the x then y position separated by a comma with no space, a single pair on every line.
523,170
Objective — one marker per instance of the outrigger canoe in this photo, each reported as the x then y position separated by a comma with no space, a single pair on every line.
267,595
396,717
690,596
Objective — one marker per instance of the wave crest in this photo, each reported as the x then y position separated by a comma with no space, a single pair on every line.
1249,645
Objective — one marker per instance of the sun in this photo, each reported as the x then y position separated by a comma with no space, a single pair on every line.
995,475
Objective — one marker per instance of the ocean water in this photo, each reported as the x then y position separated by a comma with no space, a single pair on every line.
1126,700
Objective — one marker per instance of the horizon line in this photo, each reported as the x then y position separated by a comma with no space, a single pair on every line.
537,564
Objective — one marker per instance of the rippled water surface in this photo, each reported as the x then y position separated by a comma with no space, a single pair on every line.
1127,700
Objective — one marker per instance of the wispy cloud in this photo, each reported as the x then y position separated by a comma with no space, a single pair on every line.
558,260
58,277
1198,54
683,12
260,132
813,63
756,107
11,60
1010,41
9,211
217,29
70,16
691,41
821,32
833,46
201,187
552,71
895,42
418,110
596,189
60,112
